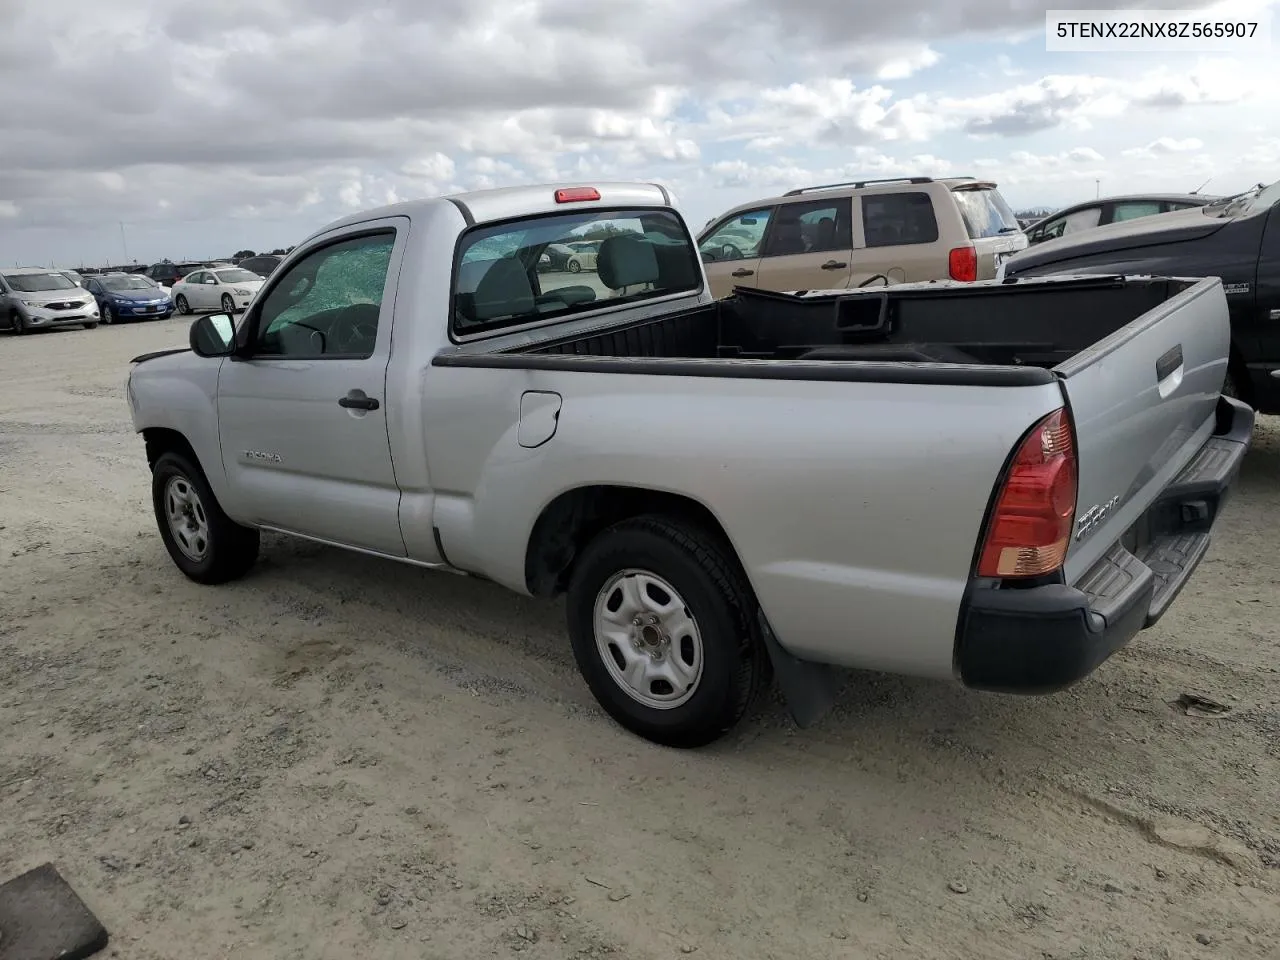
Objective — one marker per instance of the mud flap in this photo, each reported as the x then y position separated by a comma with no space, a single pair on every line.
809,688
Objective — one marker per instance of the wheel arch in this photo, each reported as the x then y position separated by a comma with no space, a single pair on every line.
162,440
569,522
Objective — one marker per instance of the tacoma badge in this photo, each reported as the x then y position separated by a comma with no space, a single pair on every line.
1092,518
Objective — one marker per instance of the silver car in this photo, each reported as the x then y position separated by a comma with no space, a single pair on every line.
37,299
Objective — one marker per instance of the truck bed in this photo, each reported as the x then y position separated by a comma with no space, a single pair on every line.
1028,327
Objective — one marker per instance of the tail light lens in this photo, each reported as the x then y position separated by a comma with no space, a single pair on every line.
962,264
1030,527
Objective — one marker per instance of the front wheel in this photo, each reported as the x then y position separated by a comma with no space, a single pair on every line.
181,303
205,544
16,323
575,266
228,305
91,325
663,627
108,316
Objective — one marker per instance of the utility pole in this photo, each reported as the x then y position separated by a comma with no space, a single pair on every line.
1097,189
123,243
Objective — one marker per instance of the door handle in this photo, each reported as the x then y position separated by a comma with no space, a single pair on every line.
834,265
741,273
356,400
1274,315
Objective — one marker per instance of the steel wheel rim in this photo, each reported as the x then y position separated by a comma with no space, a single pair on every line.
188,521
648,639
228,305
107,316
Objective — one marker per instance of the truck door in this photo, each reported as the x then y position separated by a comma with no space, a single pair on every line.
303,417
809,247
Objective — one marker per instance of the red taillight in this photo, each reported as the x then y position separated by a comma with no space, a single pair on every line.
576,194
1030,527
962,263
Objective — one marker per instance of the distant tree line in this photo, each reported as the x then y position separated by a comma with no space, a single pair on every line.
277,252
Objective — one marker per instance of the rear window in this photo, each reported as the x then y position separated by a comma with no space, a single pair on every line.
527,271
985,212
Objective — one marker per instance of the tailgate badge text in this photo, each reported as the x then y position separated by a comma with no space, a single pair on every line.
1094,517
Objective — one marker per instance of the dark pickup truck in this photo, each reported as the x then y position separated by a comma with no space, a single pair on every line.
1235,238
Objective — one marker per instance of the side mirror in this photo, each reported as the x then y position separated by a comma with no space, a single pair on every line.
213,335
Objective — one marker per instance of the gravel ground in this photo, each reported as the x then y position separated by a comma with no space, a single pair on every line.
341,757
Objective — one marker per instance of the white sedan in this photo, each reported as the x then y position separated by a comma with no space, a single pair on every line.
228,289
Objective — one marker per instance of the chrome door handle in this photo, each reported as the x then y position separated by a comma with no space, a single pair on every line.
834,265
1274,315
741,273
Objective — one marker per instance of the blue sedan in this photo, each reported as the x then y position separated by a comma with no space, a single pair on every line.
129,296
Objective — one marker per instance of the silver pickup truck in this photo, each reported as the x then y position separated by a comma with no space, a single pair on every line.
996,484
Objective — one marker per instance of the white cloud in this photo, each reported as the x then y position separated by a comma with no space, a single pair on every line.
902,67
264,121
1162,147
435,166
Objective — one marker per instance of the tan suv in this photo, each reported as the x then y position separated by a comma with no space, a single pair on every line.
860,233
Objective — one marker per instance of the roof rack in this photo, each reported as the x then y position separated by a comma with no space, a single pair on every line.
856,184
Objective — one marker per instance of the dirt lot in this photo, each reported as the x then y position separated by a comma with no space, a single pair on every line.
340,757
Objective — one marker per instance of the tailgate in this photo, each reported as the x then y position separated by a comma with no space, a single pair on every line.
1143,402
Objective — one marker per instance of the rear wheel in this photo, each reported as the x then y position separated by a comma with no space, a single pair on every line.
663,627
204,543
181,303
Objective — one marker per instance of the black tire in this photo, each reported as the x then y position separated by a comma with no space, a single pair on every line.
16,323
574,266
91,325
108,316
181,303
230,549
718,599
228,305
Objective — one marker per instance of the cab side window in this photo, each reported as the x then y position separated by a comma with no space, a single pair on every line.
328,303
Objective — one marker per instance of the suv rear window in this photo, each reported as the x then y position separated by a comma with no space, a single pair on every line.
891,219
985,212
504,277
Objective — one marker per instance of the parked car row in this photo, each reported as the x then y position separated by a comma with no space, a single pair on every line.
35,298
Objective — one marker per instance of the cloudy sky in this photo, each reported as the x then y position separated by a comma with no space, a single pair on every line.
205,128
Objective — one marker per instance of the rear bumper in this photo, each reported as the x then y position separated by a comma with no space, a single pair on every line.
1041,639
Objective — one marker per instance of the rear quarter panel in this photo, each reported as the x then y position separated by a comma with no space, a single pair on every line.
855,507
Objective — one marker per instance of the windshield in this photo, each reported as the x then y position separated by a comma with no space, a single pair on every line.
238,276
606,257
127,283
37,282
985,212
